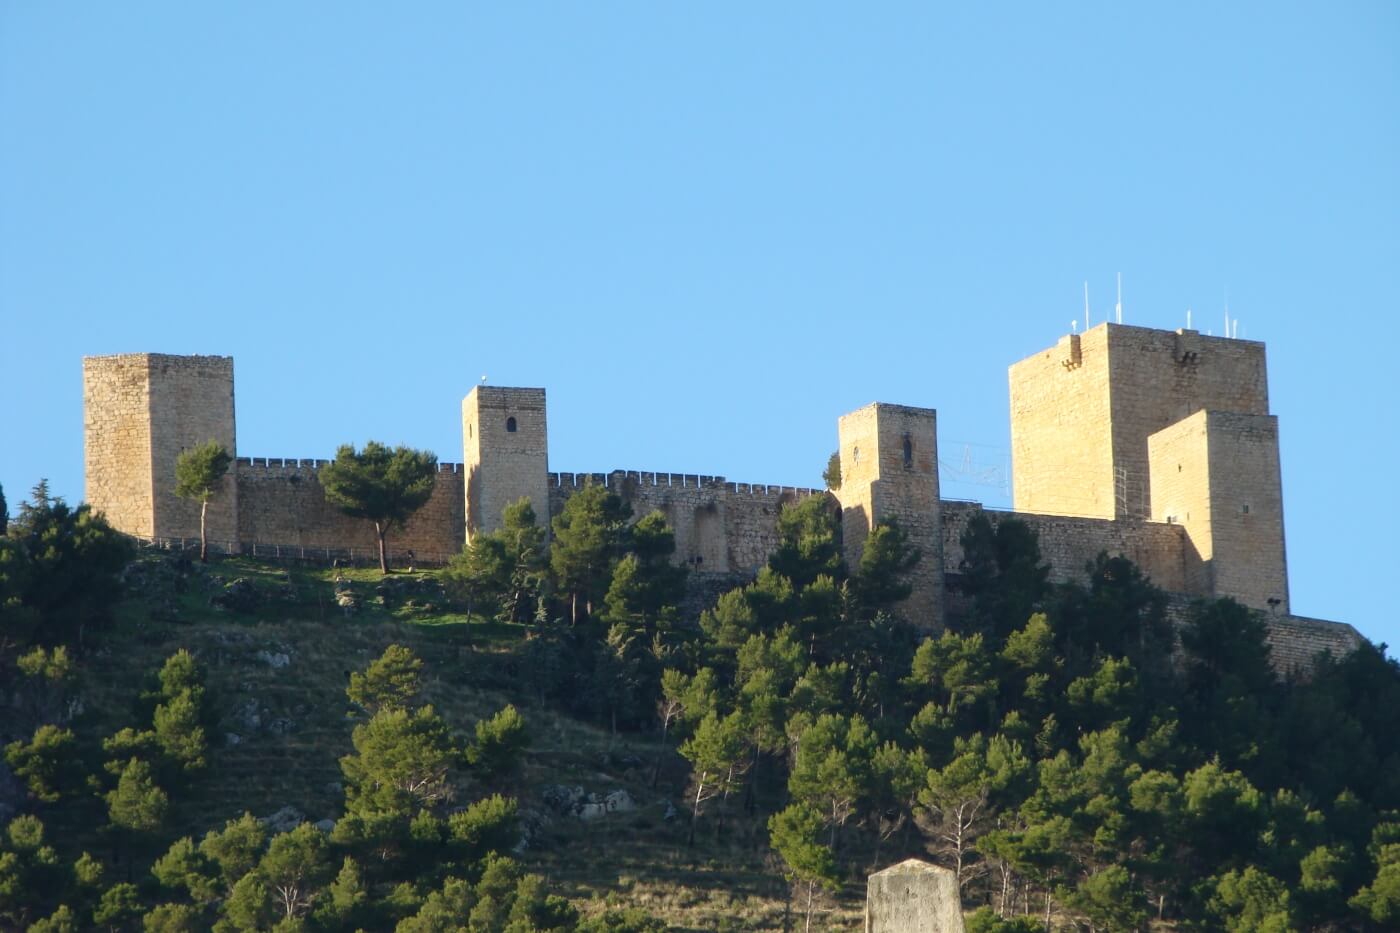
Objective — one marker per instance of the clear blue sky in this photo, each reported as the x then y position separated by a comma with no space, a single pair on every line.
707,229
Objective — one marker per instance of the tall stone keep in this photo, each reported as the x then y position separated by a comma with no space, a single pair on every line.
1082,411
889,469
1217,475
140,410
505,454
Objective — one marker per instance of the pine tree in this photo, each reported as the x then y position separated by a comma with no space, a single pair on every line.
380,484
795,834
809,542
295,868
199,474
500,743
391,681
590,536
505,568
47,763
714,753
137,805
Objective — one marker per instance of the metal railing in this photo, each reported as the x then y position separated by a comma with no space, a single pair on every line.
298,552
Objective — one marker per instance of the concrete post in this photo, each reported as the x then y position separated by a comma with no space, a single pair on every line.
913,897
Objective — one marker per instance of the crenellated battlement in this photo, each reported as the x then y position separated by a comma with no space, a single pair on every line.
306,463
617,478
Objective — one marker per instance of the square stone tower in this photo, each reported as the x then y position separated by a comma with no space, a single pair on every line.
889,469
505,454
1081,412
140,410
1217,475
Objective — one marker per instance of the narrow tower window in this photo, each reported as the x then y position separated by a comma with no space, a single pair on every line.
510,424
908,453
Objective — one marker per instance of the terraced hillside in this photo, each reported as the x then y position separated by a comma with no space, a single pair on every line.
278,643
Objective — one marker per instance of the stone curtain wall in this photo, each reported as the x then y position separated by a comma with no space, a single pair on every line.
191,403
281,503
1067,543
1296,641
117,441
721,527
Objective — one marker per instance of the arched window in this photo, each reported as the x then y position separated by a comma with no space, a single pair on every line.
510,424
908,453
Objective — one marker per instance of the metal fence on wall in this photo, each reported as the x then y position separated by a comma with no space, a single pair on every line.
297,552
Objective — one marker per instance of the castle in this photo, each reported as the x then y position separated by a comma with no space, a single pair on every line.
1154,445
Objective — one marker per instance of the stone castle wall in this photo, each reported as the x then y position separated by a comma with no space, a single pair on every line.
1068,543
281,503
721,527
1295,641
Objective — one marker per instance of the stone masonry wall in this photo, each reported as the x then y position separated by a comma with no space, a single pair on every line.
1067,543
721,527
1295,641
117,440
281,503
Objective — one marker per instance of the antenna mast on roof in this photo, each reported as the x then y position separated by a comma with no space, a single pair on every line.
1118,308
1086,305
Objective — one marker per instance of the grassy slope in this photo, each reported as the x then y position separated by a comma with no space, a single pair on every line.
636,858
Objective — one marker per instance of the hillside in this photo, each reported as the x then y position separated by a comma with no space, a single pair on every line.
1077,755
276,665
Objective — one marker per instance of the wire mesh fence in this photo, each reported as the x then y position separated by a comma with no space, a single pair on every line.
350,556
